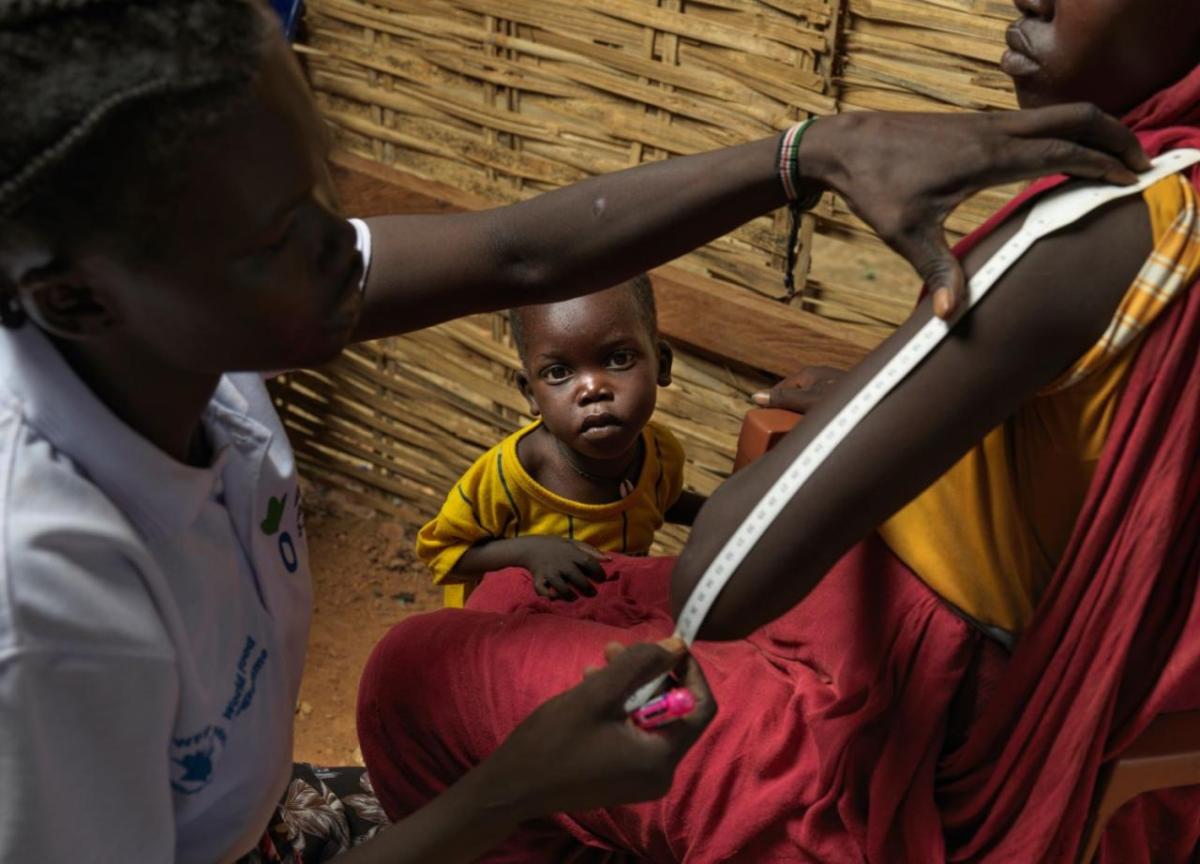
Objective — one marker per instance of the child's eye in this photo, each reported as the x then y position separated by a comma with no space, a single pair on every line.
621,359
556,374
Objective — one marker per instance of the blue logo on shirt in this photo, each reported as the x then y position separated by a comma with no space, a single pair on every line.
245,680
194,757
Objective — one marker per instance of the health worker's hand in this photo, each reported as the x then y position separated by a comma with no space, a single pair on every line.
903,174
580,751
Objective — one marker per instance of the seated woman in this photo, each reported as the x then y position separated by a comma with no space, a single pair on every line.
908,675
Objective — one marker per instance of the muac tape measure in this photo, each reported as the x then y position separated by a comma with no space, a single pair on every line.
1053,213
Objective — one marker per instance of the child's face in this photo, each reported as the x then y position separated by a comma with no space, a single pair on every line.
591,372
250,266
1114,53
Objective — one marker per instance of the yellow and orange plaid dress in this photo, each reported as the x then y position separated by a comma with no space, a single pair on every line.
988,535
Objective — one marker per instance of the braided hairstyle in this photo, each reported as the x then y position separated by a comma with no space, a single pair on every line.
100,96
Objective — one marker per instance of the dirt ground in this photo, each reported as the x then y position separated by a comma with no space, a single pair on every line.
365,579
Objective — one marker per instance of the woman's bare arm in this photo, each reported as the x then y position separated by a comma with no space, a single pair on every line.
1045,313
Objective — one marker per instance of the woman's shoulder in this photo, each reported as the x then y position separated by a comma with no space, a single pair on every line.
1060,296
1171,268
72,573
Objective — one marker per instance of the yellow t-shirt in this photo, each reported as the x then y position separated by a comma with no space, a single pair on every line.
497,498
988,535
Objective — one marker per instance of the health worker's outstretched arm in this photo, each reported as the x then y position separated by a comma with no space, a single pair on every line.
901,173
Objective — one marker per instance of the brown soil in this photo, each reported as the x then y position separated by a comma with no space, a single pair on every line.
365,579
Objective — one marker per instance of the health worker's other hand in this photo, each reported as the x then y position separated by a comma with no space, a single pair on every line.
562,567
903,174
801,391
580,750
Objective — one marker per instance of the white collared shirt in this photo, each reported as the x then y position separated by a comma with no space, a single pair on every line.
153,621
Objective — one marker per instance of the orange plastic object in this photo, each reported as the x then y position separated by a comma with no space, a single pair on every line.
761,430
1165,756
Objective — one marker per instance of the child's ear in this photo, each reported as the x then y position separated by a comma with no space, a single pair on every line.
527,392
62,303
666,357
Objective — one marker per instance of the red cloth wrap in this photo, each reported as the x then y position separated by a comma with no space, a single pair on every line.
834,713
1116,639
869,723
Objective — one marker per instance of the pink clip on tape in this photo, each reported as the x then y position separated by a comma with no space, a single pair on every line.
665,709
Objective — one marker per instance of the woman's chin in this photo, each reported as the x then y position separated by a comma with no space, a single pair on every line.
1029,97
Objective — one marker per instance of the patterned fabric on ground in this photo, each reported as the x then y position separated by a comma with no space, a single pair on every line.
324,812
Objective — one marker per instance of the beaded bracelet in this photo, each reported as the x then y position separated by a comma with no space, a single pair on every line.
788,160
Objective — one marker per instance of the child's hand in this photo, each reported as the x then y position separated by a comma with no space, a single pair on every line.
560,567
801,391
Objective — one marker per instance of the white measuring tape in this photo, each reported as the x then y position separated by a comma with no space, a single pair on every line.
1052,213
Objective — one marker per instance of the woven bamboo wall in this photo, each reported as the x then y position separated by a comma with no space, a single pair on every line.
398,421
508,98
905,55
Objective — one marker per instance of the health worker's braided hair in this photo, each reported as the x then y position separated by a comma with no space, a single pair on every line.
98,96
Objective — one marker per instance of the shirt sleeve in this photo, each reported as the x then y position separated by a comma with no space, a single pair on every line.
86,708
671,460
83,758
478,507
362,242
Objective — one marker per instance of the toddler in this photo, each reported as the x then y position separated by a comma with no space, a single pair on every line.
591,475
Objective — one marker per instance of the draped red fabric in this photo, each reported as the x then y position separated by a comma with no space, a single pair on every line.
1116,639
831,721
869,723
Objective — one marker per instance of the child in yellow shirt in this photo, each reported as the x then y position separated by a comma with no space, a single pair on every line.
591,475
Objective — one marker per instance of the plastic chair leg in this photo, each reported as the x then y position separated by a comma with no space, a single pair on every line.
1165,756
